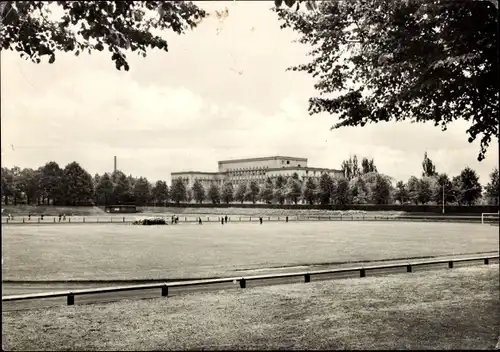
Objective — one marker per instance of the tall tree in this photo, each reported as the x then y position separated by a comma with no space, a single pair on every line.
122,191
381,190
227,192
78,185
428,168
31,28
309,191
280,190
358,191
267,191
198,191
368,166
410,60
214,193
159,192
240,193
470,189
341,195
293,189
401,193
350,168
141,191
413,189
425,187
252,191
29,180
51,182
178,191
104,190
95,182
189,195
491,189
325,189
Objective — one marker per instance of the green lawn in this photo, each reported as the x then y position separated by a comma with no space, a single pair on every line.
446,309
127,252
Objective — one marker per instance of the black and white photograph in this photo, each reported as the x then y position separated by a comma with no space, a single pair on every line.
250,175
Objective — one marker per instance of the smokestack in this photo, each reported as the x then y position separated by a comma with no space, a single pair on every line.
115,165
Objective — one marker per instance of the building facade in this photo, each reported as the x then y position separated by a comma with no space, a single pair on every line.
238,171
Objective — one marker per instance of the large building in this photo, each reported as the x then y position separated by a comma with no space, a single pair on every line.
239,171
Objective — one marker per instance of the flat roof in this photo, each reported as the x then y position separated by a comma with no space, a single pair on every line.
195,173
261,159
289,168
301,168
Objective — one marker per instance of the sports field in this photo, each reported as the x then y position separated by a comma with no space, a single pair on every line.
127,252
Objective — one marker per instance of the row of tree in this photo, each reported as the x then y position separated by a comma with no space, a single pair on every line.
361,184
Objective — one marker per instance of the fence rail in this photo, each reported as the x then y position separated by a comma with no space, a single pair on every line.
236,218
242,280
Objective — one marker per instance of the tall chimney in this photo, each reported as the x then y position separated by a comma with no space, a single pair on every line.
114,169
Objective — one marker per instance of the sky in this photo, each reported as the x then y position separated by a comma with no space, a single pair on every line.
221,92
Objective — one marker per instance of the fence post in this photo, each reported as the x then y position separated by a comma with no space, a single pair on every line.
450,264
83,219
97,219
54,219
408,268
111,218
250,219
486,261
268,218
307,278
185,219
164,290
69,219
362,273
243,283
208,218
23,220
240,218
38,220
71,299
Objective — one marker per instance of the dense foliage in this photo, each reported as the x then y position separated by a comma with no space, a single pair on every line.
394,60
38,29
73,185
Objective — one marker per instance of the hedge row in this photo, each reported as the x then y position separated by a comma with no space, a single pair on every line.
449,209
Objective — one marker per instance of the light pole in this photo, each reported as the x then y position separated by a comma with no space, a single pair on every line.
443,198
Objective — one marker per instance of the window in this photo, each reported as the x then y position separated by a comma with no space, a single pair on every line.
288,162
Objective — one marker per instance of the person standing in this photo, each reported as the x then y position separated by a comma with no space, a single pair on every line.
222,220
225,219
260,219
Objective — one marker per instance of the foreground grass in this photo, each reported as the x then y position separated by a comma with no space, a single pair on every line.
446,309
126,252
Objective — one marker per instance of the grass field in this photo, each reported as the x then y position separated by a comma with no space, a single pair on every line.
447,309
126,252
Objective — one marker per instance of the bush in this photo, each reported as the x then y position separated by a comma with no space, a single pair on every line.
151,221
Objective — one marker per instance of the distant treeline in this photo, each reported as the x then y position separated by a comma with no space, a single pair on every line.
361,185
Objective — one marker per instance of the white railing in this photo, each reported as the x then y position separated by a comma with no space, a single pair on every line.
493,217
